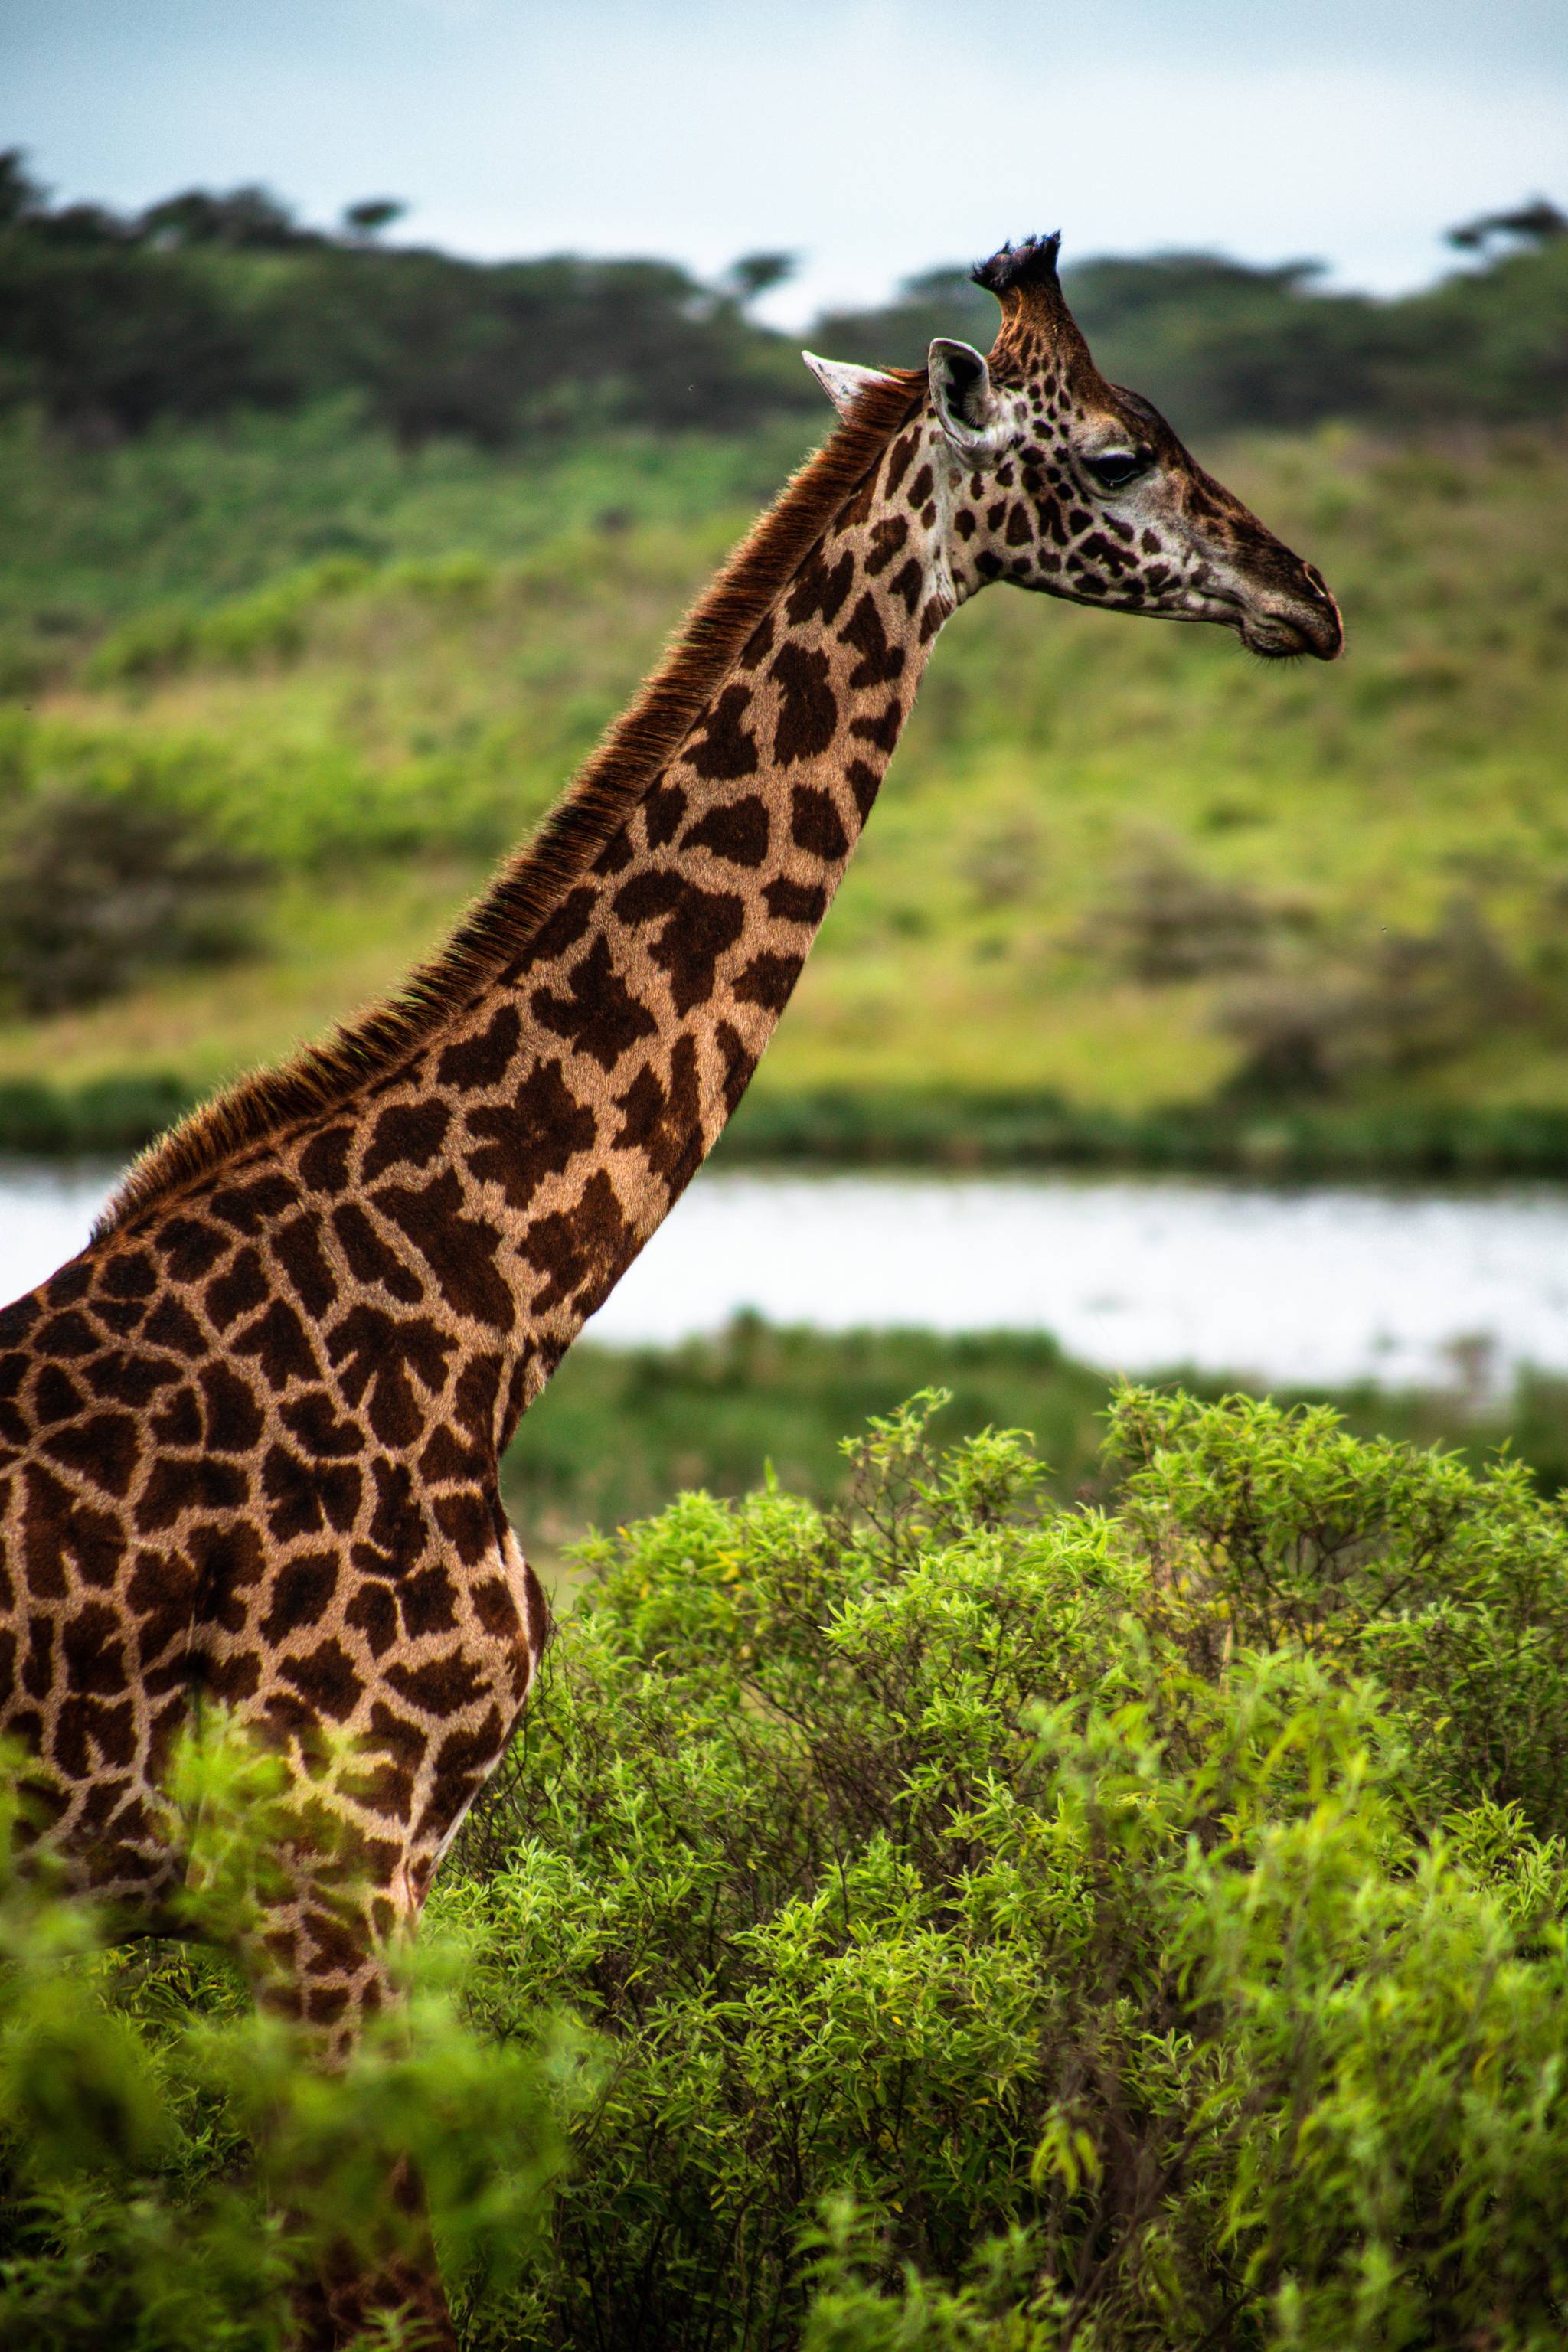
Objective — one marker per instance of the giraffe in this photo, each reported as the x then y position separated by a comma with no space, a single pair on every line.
250,1435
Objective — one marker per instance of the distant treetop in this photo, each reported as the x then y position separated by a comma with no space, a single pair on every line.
1536,222
372,214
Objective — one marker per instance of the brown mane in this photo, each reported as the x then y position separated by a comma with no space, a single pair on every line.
529,888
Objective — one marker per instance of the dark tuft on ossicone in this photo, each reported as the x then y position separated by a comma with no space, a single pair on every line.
1033,263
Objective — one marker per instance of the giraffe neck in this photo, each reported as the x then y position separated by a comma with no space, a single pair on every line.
552,1120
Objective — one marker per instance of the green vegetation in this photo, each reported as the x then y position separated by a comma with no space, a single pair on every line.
619,1431
95,894
968,1921
171,2167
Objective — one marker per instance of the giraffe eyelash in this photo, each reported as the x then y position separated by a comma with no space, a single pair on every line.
1117,467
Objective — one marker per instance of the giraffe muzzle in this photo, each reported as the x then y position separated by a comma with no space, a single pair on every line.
1281,623
1280,632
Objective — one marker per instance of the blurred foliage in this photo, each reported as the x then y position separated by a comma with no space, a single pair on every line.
1162,919
96,893
1406,1001
206,304
157,2132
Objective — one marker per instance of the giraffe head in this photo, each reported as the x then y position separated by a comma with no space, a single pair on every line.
1058,480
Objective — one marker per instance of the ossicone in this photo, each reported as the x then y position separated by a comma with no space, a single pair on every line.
1018,267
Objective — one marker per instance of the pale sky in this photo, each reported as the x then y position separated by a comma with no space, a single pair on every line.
874,137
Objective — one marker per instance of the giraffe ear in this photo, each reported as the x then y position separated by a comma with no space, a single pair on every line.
841,380
967,406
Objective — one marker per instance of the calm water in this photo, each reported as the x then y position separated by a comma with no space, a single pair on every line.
1329,1285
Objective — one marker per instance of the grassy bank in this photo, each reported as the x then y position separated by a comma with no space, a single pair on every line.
620,1431
119,1113
960,1130
1128,896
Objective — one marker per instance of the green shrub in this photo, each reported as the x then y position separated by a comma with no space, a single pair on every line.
1404,1003
1148,1925
619,1429
1164,920
268,626
1001,1927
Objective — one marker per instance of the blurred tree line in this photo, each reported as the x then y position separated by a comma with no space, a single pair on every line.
207,303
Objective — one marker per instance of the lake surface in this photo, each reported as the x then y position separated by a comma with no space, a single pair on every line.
1331,1284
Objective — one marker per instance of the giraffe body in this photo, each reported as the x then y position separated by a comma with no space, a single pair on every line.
249,1438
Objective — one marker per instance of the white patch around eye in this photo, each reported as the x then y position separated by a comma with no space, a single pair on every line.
842,381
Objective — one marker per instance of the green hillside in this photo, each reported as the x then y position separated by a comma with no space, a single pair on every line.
1118,867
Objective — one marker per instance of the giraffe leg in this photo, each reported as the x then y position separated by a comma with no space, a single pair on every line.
348,2295
358,1865
320,1961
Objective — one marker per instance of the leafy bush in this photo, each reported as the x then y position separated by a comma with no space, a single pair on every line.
1001,1926
266,627
621,1428
97,892
1146,1929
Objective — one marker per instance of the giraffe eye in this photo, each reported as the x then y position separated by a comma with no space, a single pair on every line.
1119,466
